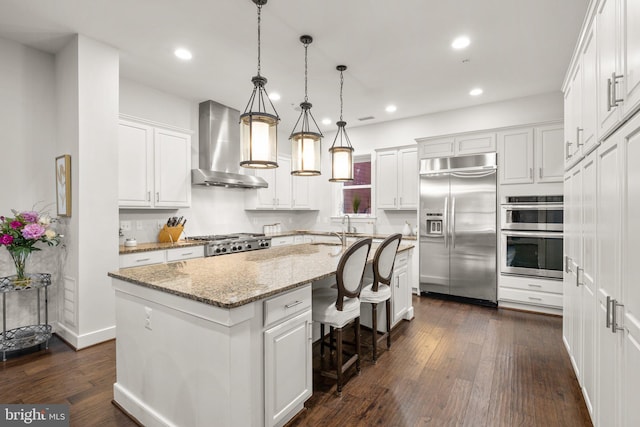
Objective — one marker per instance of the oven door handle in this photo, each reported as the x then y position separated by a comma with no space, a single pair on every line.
545,207
550,234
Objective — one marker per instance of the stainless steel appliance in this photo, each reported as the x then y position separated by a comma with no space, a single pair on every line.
232,243
543,213
458,223
532,235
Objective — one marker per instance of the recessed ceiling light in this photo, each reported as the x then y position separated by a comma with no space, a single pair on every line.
274,96
391,108
183,54
326,121
475,92
461,42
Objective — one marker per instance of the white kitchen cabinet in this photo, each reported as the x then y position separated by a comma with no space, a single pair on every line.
401,291
397,178
531,155
287,354
137,259
528,293
285,192
456,145
282,241
154,169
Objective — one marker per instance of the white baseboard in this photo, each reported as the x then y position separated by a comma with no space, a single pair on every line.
137,409
85,340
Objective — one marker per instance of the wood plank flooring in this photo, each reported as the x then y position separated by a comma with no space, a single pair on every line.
454,365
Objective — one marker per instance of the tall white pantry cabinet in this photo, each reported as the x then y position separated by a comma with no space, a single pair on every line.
601,326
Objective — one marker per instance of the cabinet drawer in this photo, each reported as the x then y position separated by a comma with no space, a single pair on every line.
185,253
530,297
286,305
142,258
401,259
531,284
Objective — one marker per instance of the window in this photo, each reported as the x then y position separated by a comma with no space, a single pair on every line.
356,195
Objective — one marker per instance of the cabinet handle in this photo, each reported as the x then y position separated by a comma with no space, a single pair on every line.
609,106
567,269
533,285
398,282
401,201
540,173
608,316
578,130
394,201
614,320
157,196
187,253
614,81
143,259
148,196
578,282
568,155
530,173
535,299
292,304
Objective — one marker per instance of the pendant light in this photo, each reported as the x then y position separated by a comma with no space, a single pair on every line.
305,144
258,127
341,150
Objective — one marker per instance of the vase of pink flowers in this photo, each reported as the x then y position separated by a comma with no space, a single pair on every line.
20,233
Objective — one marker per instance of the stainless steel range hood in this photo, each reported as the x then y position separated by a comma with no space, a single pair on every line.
219,145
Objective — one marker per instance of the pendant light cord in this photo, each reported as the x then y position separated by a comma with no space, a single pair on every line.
259,13
341,85
306,98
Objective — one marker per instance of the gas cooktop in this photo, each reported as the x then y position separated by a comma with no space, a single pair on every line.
222,244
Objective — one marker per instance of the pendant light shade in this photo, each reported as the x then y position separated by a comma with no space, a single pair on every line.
305,143
258,126
341,150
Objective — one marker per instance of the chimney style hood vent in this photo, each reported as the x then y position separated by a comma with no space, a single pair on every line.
219,146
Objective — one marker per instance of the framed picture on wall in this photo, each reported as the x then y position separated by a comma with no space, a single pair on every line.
63,185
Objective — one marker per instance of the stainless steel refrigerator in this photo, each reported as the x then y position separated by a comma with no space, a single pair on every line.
458,242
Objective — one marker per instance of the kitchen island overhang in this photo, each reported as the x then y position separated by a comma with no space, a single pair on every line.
189,335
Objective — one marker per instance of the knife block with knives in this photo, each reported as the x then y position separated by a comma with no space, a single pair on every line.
170,234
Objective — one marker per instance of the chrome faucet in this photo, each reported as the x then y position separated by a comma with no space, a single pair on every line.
342,237
348,224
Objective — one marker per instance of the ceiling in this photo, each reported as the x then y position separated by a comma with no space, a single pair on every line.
397,52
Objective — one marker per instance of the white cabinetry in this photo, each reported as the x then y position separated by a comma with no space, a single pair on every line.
542,295
285,191
531,154
458,145
154,166
401,292
397,178
287,355
282,241
137,259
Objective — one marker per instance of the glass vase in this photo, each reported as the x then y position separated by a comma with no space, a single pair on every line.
19,260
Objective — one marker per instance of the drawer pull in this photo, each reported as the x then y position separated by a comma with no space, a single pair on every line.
293,304
187,253
535,299
143,259
533,285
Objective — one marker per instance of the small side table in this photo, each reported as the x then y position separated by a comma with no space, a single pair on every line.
30,335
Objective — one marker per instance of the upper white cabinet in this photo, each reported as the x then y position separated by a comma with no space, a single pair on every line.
154,166
458,145
285,191
531,154
397,178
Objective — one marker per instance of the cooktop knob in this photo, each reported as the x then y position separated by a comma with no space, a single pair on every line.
218,250
248,246
239,248
224,249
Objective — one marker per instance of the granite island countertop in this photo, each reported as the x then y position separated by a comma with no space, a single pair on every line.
234,280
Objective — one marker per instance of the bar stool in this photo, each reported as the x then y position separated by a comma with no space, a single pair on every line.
380,290
340,307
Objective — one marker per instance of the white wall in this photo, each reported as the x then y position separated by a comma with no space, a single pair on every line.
27,152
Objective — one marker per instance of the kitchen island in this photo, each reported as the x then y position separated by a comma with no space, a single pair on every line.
222,341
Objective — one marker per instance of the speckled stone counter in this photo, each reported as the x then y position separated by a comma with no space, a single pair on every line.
234,280
156,246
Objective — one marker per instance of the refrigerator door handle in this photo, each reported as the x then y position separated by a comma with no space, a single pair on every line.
445,220
453,222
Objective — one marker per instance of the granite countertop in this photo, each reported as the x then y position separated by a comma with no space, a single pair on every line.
237,279
155,246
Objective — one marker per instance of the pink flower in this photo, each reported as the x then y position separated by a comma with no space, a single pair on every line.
33,231
15,224
6,239
30,216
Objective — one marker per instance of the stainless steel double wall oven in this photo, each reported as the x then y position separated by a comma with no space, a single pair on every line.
531,236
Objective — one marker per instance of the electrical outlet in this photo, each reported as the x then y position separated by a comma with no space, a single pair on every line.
147,318
125,225
139,225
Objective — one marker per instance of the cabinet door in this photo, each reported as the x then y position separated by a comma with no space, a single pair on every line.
473,144
608,267
300,192
283,183
387,179
400,293
629,86
575,149
515,149
408,178
548,144
629,315
287,367
172,169
437,148
265,197
607,46
135,164
587,133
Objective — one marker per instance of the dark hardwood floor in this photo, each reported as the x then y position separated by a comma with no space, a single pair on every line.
454,365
